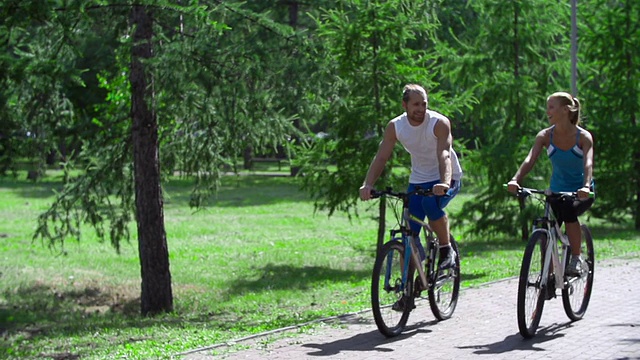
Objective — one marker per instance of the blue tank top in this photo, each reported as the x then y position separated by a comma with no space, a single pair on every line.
567,165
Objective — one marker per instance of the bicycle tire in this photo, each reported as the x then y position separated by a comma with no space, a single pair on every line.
531,295
577,293
444,287
390,257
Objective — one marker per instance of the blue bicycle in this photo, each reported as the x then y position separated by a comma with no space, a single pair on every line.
395,286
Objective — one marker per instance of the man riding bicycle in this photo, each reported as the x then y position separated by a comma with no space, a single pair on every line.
426,135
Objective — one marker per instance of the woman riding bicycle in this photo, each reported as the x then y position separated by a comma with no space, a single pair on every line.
570,149
426,135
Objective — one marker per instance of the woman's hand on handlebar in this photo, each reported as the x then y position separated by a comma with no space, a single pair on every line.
583,193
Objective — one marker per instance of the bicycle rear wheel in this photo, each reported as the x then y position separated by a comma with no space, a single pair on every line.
387,290
531,294
444,286
577,293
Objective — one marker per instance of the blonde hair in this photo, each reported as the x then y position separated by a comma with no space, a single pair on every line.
572,102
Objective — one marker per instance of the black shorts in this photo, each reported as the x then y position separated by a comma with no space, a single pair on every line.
567,209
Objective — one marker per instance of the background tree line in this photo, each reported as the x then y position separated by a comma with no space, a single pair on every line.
130,93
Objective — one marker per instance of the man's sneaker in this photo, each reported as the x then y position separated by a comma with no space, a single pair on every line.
402,303
576,266
448,261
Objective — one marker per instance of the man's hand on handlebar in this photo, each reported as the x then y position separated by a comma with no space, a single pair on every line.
440,189
365,192
513,186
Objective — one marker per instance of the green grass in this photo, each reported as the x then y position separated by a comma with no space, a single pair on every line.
256,259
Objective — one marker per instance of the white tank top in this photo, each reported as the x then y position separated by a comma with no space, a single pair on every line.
421,143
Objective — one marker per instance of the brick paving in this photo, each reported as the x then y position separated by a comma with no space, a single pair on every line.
483,326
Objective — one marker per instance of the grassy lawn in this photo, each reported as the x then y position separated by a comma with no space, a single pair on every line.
256,259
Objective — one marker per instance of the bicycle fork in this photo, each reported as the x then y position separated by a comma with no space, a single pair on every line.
549,260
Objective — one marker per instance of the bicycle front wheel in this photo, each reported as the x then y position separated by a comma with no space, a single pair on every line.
577,292
531,294
391,301
444,286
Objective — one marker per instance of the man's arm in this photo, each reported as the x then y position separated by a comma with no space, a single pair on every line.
379,161
442,130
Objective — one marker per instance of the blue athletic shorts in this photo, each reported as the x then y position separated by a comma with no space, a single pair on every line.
430,206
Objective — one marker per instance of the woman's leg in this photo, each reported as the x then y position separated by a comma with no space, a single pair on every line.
574,233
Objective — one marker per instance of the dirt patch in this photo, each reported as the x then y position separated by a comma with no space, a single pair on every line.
96,300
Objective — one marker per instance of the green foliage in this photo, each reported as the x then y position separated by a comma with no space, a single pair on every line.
611,98
101,193
218,99
371,49
511,63
234,78
213,99
36,67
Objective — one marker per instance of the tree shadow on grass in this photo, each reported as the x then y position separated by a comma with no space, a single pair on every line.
599,232
483,246
43,311
38,312
287,277
30,190
241,191
43,304
234,191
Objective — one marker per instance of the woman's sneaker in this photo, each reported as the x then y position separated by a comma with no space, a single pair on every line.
576,266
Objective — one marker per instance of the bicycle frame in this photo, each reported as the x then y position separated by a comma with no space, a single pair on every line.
395,285
552,258
535,284
412,245
407,237
411,250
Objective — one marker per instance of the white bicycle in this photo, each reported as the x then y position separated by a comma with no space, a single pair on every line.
543,268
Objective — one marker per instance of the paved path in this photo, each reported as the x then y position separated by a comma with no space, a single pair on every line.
483,326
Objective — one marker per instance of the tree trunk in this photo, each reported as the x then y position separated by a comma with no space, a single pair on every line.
247,156
156,295
293,22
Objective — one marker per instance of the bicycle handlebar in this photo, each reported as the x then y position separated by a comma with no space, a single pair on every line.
389,191
524,192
